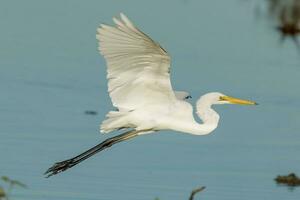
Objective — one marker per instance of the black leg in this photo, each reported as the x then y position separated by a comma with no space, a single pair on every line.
67,164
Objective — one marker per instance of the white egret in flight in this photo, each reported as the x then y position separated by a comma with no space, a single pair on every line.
138,73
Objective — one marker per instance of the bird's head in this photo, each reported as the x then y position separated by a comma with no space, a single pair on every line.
219,98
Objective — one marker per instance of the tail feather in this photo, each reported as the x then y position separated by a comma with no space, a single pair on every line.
115,120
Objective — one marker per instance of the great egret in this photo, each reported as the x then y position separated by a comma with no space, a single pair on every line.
138,73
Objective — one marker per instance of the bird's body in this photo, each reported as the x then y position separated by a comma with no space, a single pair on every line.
176,115
138,73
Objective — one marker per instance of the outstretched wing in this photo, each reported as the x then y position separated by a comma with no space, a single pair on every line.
138,68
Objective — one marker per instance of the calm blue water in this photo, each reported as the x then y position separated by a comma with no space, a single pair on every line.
50,73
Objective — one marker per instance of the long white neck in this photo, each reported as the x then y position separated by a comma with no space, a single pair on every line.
209,117
206,113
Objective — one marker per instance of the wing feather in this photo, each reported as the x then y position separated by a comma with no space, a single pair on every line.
137,67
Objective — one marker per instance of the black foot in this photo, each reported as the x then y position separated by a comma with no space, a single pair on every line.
59,167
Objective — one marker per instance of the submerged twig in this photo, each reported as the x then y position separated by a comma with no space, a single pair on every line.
195,191
11,183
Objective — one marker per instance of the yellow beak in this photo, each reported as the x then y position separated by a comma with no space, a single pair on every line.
237,101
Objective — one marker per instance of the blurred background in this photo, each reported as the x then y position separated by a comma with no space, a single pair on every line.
54,96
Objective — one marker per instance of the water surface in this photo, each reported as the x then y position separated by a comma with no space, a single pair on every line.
50,73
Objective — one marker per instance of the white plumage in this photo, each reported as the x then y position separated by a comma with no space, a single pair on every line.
138,74
137,67
139,84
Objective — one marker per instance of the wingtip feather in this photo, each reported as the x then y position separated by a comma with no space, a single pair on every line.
126,20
